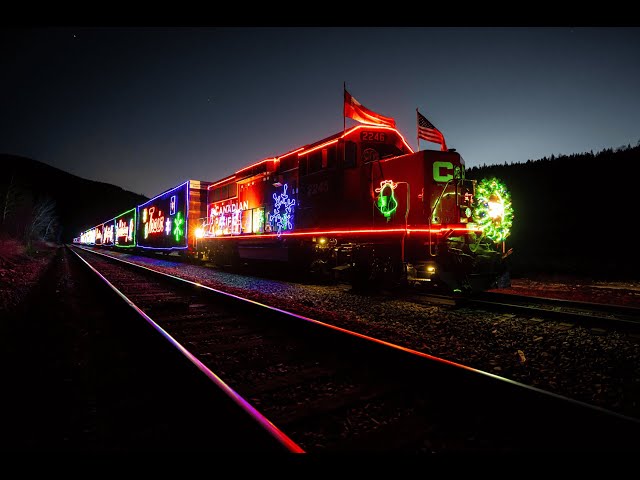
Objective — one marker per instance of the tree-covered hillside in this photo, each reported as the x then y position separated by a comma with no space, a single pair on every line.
574,213
38,201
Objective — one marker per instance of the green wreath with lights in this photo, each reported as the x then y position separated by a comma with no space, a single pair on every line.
493,212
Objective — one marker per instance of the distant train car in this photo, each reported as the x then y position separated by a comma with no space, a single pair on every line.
88,237
107,233
165,223
98,235
361,204
125,229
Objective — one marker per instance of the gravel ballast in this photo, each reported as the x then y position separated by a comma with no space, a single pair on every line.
597,367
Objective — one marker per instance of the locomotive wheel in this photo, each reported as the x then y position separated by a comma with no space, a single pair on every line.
319,271
379,274
390,275
362,278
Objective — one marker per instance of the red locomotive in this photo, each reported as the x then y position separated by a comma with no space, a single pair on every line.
359,204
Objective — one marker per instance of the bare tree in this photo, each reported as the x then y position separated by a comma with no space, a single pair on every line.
10,199
43,221
51,229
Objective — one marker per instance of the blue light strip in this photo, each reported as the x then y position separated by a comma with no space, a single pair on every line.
163,193
186,219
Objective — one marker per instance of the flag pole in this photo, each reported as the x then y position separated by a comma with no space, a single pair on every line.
344,116
344,122
418,129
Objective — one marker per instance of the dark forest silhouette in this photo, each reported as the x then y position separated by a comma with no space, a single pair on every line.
40,202
574,214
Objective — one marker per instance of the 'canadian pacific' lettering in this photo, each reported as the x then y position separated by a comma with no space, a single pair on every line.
217,210
437,171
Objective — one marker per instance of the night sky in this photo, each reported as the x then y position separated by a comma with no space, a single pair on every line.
147,108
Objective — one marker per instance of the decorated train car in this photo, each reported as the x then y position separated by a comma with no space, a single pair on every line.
359,204
169,221
166,223
125,229
118,232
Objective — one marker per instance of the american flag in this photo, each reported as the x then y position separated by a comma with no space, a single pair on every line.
428,132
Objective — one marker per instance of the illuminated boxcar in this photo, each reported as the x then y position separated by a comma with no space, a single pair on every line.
168,221
125,229
88,237
98,234
107,233
360,203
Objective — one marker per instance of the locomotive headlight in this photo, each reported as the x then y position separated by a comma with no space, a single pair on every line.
495,207
492,210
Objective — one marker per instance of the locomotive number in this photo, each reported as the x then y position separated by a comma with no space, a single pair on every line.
372,136
317,188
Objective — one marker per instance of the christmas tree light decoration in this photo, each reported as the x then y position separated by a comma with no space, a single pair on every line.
281,221
493,211
387,203
177,229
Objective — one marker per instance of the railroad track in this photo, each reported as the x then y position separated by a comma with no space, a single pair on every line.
328,389
593,315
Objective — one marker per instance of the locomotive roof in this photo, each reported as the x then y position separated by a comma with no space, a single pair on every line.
301,150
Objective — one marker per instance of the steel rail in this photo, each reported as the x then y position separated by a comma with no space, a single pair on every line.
266,424
367,338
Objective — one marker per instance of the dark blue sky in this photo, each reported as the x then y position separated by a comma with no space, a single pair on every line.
146,108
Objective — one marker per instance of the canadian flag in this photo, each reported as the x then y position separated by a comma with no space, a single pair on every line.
355,110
